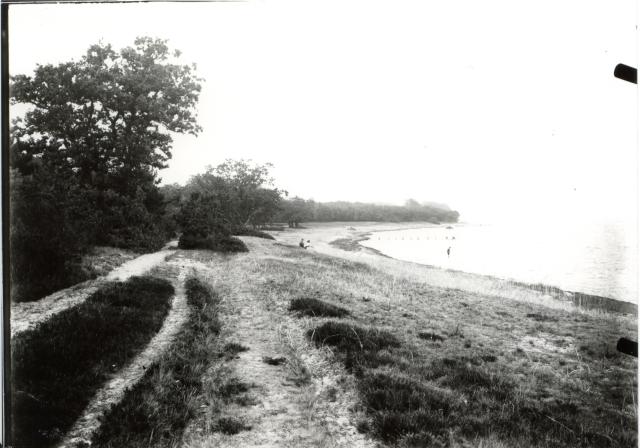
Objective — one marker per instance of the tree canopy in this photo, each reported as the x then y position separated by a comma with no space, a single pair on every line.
85,156
243,191
108,117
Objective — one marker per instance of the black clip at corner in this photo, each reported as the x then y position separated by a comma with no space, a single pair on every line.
626,73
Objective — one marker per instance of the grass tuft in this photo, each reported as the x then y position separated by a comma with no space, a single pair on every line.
349,337
231,388
274,361
231,349
230,425
542,317
316,308
430,336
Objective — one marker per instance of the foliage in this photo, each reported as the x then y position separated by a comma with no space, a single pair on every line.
190,241
243,192
201,216
108,116
349,337
205,227
58,366
86,155
297,210
246,231
231,244
50,229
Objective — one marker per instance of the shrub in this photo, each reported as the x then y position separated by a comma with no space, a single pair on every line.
230,244
349,337
50,229
227,244
247,231
193,241
316,308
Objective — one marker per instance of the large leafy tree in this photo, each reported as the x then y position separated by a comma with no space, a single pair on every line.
109,116
85,156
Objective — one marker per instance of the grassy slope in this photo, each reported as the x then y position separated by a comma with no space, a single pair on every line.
485,369
58,366
157,410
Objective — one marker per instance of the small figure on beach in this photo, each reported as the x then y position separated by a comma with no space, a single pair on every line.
302,244
448,251
307,244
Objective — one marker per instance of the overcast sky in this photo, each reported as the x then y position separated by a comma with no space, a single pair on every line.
494,107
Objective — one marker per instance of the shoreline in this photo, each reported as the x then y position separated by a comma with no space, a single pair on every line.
580,299
343,239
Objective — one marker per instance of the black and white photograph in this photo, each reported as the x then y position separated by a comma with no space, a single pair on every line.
318,224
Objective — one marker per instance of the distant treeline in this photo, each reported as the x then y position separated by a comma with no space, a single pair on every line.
295,211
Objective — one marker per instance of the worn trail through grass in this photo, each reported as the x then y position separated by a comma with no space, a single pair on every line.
26,315
293,402
114,390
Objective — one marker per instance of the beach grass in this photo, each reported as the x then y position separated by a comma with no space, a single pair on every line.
462,368
60,364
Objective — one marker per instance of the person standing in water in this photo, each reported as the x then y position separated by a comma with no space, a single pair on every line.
448,251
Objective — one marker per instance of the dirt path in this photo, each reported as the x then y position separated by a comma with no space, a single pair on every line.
296,404
176,271
26,315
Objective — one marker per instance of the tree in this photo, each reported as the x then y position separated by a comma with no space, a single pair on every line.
85,156
204,227
244,191
108,117
296,210
106,121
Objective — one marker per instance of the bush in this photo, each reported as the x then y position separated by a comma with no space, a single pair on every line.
246,231
316,308
346,337
191,241
230,244
47,235
225,244
55,219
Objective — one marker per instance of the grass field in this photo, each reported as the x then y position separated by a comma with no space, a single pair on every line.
59,365
157,410
417,364
442,367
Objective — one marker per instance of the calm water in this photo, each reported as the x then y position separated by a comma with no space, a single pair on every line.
600,259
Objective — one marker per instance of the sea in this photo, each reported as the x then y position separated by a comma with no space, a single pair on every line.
590,257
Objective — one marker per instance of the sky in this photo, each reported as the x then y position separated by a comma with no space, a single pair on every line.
500,109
